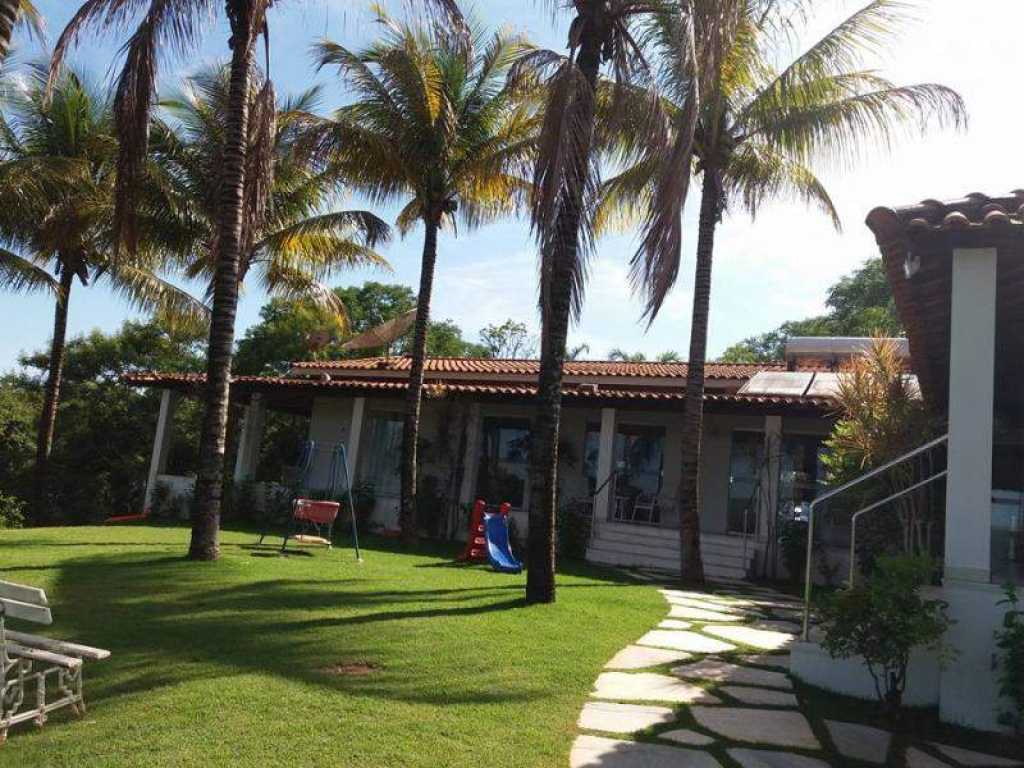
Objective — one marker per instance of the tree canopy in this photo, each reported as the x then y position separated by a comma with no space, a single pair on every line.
859,304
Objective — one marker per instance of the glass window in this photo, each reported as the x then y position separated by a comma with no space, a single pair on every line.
504,462
746,463
800,472
640,459
382,459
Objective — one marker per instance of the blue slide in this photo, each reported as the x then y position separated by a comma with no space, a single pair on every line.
498,550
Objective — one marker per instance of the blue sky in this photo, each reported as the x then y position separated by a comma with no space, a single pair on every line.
767,271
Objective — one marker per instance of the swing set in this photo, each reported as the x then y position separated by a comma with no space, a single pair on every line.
311,521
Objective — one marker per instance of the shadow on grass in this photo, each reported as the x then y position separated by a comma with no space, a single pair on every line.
168,621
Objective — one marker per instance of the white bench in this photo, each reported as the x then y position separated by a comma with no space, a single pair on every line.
37,674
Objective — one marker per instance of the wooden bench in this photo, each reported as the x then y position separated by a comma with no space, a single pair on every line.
37,674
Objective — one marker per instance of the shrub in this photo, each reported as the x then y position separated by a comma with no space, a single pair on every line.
1010,641
883,620
12,511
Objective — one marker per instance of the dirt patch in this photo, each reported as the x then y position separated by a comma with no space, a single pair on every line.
350,669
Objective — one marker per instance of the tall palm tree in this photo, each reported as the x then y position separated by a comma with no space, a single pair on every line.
292,239
436,122
12,13
565,181
57,176
759,130
176,26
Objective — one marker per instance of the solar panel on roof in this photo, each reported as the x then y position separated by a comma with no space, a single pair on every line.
787,383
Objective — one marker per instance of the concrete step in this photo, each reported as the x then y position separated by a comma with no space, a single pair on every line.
658,548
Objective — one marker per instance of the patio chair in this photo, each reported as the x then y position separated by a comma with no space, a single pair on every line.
37,674
645,509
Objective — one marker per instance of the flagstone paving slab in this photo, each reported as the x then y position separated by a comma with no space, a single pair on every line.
706,602
684,641
701,614
649,686
717,671
622,718
674,624
860,742
776,625
760,696
640,657
765,639
686,736
778,660
599,752
763,758
918,759
974,759
761,726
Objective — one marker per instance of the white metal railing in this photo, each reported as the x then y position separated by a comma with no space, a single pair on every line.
845,487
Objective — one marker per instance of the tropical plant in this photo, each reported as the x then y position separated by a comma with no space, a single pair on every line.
565,183
885,619
292,240
760,128
882,417
176,27
12,13
435,121
623,356
1010,642
58,163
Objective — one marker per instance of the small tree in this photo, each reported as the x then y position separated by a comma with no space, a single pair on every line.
883,417
883,620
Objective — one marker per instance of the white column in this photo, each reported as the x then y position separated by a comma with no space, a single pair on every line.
252,435
161,443
769,495
471,458
971,373
355,434
605,465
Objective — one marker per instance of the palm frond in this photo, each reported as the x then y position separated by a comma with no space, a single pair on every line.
841,131
19,274
148,292
758,173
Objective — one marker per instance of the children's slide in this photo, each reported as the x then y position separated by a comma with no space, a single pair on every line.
498,550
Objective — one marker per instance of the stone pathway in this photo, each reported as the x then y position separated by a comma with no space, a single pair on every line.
708,688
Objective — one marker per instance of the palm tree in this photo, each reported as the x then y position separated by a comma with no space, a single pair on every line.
57,169
759,129
291,239
12,13
623,356
436,123
565,181
177,26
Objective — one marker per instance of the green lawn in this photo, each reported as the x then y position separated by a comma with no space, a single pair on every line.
235,663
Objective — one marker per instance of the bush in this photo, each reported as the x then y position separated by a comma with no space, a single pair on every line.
12,512
1010,641
883,620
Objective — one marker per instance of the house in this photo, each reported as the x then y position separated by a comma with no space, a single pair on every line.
620,442
957,274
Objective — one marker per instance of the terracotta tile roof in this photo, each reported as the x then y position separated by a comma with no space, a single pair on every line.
439,389
916,244
975,212
532,367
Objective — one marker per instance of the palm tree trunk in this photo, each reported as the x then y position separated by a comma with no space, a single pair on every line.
691,568
414,395
540,577
9,11
51,398
212,436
